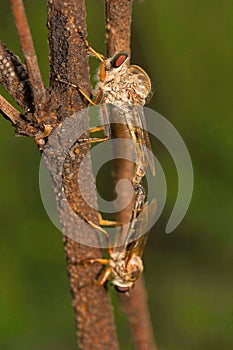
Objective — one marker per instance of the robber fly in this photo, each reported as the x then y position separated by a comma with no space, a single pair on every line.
125,263
126,87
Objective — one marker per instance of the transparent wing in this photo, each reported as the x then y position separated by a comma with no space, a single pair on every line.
139,230
146,139
136,122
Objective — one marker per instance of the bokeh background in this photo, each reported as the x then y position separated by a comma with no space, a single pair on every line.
185,46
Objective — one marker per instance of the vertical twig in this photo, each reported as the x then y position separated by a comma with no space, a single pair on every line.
118,30
138,314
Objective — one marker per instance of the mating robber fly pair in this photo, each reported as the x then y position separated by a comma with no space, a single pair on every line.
126,88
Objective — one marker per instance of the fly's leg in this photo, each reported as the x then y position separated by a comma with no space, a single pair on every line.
102,222
105,128
96,54
102,73
104,276
98,96
100,261
96,102
83,93
83,141
89,48
106,272
97,227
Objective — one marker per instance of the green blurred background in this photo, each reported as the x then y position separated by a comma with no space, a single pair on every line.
185,46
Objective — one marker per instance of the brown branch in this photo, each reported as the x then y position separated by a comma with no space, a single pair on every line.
68,59
118,29
29,54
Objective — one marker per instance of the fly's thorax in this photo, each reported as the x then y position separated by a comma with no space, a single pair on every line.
125,271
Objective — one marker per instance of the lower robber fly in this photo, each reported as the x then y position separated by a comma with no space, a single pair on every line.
125,263
126,87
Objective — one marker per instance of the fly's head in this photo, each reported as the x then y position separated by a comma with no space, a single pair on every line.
126,273
116,66
124,83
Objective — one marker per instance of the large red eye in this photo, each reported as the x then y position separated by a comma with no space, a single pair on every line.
119,59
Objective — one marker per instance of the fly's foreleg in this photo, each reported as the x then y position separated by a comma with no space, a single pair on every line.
102,222
86,140
106,272
82,92
100,261
104,276
96,54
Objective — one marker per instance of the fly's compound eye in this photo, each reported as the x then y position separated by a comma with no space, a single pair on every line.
119,59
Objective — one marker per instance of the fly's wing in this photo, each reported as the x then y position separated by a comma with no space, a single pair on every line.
105,119
135,119
139,232
146,139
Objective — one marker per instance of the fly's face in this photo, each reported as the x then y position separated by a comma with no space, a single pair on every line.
125,273
123,83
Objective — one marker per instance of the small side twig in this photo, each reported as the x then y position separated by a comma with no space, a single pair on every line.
9,110
29,54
